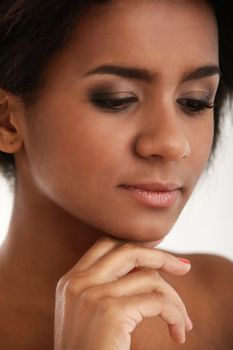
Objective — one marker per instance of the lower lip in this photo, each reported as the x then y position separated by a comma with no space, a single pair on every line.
155,199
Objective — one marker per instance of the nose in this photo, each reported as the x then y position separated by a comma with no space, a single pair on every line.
163,136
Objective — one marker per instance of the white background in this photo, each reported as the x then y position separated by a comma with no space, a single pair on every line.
206,223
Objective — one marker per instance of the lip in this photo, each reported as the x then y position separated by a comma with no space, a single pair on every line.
154,195
155,186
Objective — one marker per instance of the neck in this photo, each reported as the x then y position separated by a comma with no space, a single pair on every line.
43,243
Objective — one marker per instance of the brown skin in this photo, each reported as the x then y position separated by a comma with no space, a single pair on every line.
71,156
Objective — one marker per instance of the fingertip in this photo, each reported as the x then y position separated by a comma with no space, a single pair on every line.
189,324
177,334
178,268
188,268
184,261
185,264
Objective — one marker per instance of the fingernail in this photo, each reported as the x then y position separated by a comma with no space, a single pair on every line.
186,261
190,324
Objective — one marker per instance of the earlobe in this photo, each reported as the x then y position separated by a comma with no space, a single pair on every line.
10,139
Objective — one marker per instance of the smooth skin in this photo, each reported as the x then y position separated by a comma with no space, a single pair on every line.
100,291
61,283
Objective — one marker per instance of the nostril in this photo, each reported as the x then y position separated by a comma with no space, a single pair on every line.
184,150
166,140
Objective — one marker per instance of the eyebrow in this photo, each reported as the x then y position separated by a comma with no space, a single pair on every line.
125,72
202,72
148,76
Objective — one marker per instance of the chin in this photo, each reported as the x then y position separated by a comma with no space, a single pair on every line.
149,234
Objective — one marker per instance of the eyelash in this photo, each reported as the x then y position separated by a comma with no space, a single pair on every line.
198,106
108,103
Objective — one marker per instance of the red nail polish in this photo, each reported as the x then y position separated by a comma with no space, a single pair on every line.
186,261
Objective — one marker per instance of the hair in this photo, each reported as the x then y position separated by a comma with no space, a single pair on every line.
33,31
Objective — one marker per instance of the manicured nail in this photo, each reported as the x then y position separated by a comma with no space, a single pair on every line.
186,261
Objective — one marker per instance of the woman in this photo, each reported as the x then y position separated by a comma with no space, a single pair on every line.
109,114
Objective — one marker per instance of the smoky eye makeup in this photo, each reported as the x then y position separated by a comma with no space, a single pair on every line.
196,102
111,99
207,96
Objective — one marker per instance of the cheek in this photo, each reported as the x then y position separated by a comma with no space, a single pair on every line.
70,150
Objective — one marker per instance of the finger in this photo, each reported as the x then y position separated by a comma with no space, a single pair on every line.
147,281
129,311
100,248
143,282
123,259
177,333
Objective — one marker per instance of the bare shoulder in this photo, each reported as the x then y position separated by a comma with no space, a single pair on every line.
213,275
206,291
213,271
209,270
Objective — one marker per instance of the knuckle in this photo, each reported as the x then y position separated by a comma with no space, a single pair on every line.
90,296
176,299
169,256
131,251
181,306
178,314
179,317
174,313
73,285
170,292
160,296
165,256
70,286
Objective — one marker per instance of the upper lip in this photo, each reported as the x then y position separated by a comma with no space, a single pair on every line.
155,186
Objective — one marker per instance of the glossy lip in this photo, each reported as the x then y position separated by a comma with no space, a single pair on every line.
154,195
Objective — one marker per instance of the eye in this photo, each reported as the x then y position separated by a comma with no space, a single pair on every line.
114,105
195,106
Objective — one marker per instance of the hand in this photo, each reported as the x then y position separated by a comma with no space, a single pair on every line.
99,303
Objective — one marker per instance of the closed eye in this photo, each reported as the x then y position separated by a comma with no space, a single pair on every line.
113,104
117,105
195,106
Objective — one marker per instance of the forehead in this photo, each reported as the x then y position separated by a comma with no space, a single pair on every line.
150,32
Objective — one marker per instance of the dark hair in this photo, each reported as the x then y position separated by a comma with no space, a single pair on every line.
32,31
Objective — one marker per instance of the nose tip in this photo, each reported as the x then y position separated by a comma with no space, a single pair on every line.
177,149
171,145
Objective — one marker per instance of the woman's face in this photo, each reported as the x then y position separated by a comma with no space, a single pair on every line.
79,148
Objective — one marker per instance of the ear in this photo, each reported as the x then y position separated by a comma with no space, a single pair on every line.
10,110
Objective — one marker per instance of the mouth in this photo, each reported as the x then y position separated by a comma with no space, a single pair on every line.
154,195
